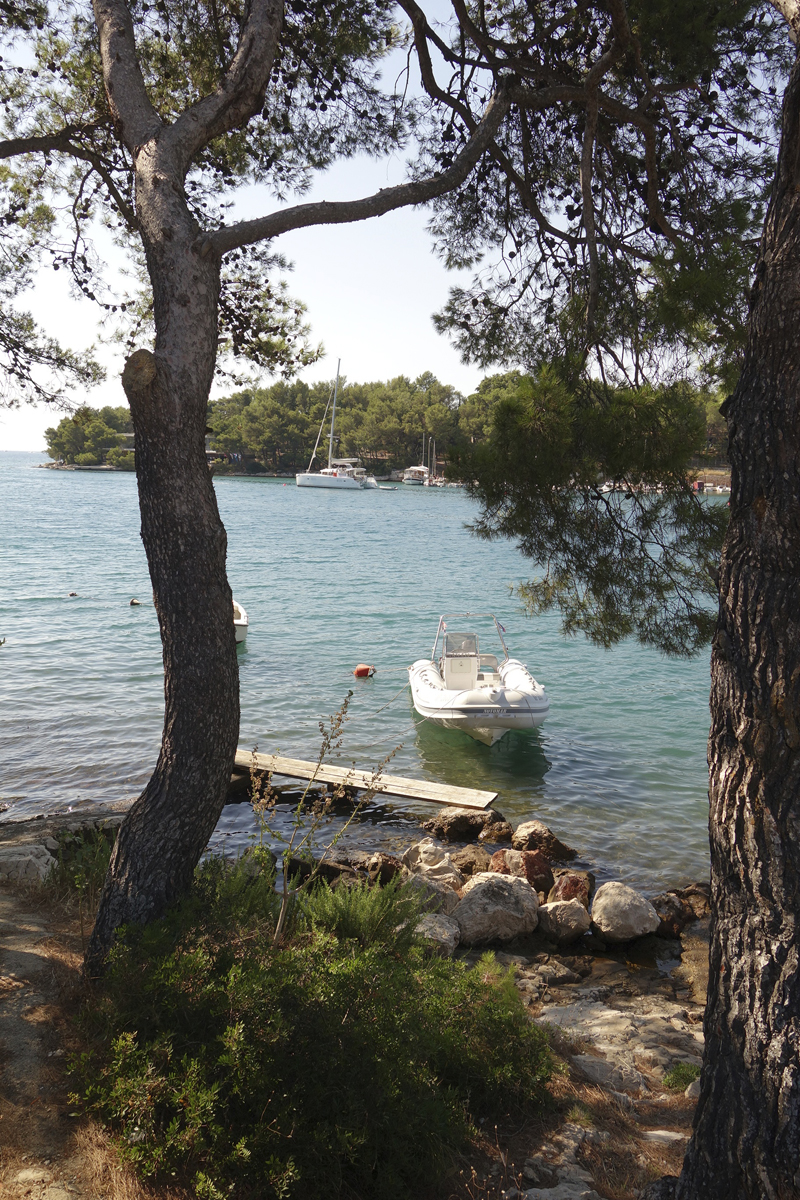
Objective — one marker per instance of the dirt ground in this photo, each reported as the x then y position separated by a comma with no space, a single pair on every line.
47,1151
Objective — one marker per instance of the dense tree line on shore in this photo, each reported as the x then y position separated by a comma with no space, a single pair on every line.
382,423
91,437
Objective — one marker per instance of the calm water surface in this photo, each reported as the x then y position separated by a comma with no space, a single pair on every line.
331,579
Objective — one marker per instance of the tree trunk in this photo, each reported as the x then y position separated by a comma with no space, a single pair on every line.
166,831
746,1143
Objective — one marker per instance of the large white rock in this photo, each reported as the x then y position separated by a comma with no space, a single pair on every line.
621,914
30,863
496,907
564,920
439,933
428,859
434,896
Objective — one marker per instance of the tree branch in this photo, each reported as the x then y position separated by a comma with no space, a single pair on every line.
241,93
46,142
386,200
135,116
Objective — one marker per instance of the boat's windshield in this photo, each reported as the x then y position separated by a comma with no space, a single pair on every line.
460,644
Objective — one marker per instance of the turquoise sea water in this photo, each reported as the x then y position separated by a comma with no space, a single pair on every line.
329,580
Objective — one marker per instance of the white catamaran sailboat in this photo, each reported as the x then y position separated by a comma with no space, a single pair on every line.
342,473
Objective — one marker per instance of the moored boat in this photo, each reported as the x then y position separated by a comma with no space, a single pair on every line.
342,473
483,695
417,475
240,622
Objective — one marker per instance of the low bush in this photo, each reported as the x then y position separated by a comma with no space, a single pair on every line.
81,865
678,1078
343,1062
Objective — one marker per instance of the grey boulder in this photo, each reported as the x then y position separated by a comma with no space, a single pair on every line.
535,835
31,863
564,920
440,934
496,908
620,914
433,895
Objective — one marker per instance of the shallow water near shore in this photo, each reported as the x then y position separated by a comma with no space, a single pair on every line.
329,580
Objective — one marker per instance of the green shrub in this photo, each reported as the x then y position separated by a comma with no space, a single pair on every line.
371,916
345,1063
81,865
678,1078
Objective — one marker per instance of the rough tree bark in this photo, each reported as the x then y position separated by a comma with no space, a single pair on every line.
169,826
746,1143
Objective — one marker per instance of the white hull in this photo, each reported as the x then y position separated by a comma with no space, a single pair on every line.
486,713
240,622
416,476
315,479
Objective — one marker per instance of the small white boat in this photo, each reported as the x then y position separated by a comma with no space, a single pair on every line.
481,694
240,622
341,473
417,475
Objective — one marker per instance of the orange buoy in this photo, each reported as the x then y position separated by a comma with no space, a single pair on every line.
363,671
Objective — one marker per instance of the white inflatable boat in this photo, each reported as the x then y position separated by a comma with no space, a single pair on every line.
240,622
482,694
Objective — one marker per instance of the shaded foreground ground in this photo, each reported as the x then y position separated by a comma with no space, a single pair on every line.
595,1140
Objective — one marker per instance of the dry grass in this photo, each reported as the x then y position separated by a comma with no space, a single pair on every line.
106,1176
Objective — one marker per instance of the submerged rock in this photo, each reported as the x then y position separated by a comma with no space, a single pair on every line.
496,908
535,835
698,897
620,914
564,921
674,914
462,824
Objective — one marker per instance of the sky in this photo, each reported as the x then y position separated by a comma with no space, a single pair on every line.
370,289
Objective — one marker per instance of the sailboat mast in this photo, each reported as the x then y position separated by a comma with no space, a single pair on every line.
333,414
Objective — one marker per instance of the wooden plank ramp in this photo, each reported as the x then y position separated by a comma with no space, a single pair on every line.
392,785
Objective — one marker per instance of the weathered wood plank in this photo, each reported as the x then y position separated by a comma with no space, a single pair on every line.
393,785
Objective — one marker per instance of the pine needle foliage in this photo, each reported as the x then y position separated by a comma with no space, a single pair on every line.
636,560
345,1062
